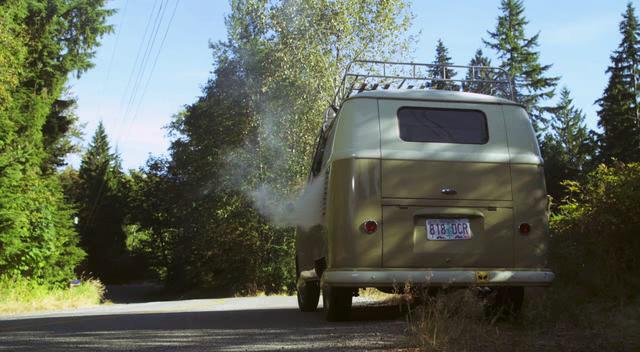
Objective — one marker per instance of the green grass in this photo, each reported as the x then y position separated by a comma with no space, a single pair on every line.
22,296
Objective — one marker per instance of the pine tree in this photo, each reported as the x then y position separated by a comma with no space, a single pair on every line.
60,134
102,208
41,44
521,60
479,61
567,147
568,126
619,116
441,72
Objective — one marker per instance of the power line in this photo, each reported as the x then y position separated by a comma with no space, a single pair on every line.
143,64
145,58
155,61
135,63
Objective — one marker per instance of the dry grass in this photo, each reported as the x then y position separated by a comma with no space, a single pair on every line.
261,293
552,320
376,294
22,296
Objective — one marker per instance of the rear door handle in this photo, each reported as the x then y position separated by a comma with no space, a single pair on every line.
448,191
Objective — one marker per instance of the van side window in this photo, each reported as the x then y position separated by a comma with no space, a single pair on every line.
323,150
316,164
435,125
328,144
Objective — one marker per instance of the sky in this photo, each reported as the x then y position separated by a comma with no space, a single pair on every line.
576,37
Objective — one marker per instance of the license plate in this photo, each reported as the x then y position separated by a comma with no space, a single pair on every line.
448,229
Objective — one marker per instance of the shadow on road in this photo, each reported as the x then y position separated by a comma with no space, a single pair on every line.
134,293
231,330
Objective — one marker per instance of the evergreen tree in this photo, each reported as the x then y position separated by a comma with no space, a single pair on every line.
41,43
567,147
441,72
102,208
60,135
619,115
479,61
521,61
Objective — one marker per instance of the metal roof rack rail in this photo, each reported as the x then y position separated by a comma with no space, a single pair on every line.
368,75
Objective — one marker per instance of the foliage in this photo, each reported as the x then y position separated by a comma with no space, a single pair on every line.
619,111
567,147
440,72
520,59
60,135
152,215
479,61
595,240
102,207
42,43
21,295
275,75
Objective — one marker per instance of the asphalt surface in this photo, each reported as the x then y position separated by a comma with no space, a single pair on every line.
230,324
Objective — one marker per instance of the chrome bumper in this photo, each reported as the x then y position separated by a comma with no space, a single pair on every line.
384,278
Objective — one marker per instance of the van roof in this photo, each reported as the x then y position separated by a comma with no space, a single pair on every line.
434,95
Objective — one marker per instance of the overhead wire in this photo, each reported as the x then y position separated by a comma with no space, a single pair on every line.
129,89
135,63
155,61
104,85
145,58
141,63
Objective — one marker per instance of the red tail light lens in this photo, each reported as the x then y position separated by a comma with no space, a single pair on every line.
525,228
370,226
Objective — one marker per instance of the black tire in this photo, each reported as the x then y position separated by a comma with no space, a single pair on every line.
504,303
337,302
308,295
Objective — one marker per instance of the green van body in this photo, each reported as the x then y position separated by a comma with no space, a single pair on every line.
369,173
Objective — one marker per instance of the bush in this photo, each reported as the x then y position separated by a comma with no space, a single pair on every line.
595,243
20,295
37,238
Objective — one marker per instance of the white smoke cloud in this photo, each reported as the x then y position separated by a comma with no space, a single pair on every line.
304,211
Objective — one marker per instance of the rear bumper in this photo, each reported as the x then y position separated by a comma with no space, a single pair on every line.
444,277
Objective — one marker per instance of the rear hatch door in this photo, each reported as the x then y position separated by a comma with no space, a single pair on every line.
446,185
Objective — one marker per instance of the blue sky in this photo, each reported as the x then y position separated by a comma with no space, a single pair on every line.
577,37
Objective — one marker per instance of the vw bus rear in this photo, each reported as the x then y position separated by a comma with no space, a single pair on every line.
427,188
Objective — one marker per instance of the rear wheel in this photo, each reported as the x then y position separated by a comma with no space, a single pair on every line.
308,295
505,302
308,292
337,302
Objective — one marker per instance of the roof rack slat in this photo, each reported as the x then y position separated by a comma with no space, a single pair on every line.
360,74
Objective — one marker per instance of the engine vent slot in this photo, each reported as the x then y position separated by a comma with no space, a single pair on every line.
325,186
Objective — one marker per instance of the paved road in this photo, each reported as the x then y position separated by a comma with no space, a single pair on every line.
230,324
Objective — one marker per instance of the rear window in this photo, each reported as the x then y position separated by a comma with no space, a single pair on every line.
443,125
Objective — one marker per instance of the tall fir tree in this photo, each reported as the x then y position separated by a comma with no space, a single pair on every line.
618,113
441,72
102,208
42,43
60,135
520,59
478,73
567,147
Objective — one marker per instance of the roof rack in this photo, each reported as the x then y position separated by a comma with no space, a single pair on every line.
369,75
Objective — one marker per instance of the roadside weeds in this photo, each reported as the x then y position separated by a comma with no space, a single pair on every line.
22,296
551,321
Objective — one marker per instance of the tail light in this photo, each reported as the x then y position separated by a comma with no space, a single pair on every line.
370,226
525,228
